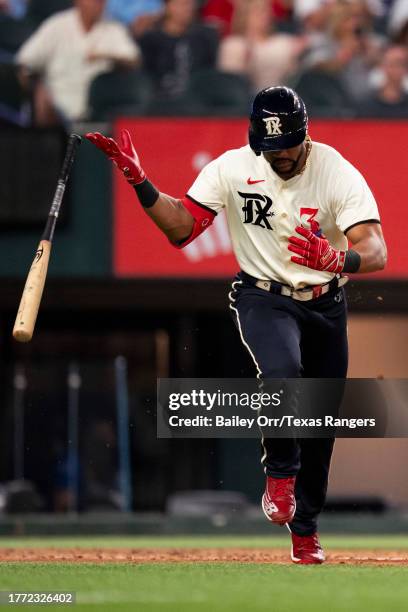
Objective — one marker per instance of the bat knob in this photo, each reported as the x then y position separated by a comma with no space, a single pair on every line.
22,335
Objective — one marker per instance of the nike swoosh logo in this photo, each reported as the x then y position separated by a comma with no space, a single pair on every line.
251,182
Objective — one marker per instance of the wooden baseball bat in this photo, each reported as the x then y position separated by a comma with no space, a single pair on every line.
34,286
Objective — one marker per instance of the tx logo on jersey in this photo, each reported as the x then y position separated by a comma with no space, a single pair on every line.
273,126
256,209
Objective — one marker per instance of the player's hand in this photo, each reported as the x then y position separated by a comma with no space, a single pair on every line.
315,252
123,155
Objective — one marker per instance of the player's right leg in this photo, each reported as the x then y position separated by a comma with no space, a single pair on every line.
268,326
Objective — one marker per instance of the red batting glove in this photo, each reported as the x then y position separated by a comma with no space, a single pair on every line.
316,252
124,156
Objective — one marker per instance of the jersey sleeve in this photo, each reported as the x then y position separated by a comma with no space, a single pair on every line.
354,201
208,189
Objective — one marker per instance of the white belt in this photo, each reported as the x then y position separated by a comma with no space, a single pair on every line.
306,294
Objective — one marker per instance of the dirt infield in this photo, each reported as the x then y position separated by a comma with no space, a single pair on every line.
188,555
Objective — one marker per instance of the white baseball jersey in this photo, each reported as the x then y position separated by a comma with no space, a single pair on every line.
263,210
60,48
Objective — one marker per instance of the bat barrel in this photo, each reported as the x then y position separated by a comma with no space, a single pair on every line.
33,290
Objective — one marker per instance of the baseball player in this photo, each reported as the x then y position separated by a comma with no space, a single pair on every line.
293,206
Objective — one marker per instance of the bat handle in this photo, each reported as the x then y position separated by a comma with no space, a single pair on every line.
73,143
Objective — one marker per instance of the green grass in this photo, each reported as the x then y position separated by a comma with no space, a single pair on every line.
394,542
214,587
221,587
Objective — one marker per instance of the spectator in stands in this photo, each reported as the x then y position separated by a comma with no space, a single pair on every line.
138,15
398,19
220,13
390,100
313,16
254,50
401,37
311,12
350,49
177,46
68,51
282,10
398,22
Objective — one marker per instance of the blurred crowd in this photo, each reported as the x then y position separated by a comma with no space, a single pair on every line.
63,61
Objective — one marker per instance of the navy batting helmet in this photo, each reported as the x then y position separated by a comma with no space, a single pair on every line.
278,120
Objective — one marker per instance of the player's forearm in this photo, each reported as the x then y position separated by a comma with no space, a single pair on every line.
373,253
171,217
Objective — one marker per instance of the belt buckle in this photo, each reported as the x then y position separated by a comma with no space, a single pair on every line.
287,291
317,291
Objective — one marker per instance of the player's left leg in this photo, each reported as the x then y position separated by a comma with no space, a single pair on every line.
311,483
324,355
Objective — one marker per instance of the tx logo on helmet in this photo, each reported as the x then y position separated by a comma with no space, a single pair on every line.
256,209
273,126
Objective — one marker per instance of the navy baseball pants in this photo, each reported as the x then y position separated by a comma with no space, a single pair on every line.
288,338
